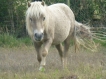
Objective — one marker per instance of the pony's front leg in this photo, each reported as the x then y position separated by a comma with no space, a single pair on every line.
44,51
37,47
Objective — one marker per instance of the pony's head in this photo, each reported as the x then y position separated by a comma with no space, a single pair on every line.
36,20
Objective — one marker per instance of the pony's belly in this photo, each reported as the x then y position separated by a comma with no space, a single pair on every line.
59,38
57,41
61,34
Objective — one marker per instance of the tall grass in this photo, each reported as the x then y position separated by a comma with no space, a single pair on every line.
102,43
7,40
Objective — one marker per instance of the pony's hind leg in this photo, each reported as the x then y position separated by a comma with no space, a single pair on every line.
66,48
61,53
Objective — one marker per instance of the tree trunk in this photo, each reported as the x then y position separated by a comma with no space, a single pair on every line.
11,20
68,3
36,0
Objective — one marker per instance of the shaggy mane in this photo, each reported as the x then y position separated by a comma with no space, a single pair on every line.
35,10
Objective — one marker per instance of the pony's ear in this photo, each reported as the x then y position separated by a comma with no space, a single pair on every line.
29,4
43,3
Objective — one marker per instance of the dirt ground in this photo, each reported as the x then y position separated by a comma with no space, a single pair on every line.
24,59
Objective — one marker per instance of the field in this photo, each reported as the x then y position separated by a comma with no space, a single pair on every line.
21,63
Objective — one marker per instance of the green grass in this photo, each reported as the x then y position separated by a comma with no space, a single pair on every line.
103,43
82,72
83,64
7,40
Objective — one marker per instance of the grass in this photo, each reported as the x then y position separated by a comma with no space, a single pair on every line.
7,40
82,72
16,63
39,75
22,64
103,43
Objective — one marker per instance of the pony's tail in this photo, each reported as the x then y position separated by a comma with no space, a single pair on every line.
83,37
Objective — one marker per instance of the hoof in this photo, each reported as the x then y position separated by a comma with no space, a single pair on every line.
42,69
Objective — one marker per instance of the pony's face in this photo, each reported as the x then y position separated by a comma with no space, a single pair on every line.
37,25
37,20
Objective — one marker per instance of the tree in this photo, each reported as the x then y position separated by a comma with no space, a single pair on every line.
68,3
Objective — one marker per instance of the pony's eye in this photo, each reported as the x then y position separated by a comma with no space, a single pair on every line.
43,18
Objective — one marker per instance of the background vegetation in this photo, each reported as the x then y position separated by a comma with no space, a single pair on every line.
20,62
12,15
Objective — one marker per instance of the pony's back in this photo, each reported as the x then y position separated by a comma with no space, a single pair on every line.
61,20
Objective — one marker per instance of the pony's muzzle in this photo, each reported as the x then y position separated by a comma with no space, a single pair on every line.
39,36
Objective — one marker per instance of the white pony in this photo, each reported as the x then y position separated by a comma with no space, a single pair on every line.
53,25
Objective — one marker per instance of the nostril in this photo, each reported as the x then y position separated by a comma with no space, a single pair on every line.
39,36
42,34
36,35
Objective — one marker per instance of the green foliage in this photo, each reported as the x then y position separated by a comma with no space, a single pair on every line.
7,40
85,10
12,15
12,12
3,10
102,43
